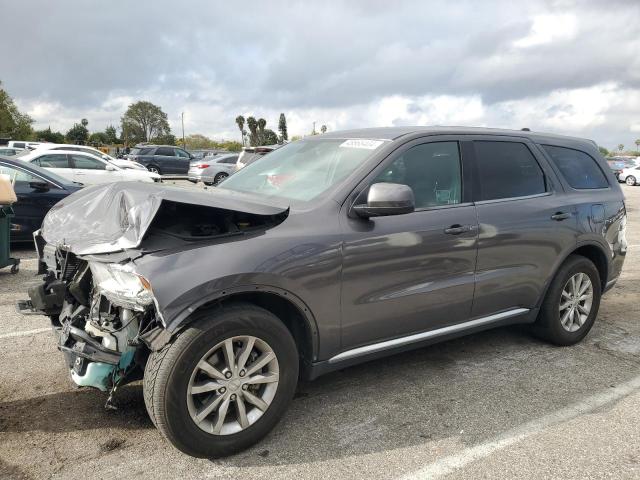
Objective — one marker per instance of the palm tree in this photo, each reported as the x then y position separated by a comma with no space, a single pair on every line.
262,123
323,129
621,147
84,122
638,145
240,123
253,131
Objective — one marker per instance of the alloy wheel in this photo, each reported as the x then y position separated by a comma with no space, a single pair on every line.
575,302
630,180
233,385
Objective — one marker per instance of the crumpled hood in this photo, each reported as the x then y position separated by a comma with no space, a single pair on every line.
113,217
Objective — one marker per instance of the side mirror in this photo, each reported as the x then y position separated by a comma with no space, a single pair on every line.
39,186
386,199
110,168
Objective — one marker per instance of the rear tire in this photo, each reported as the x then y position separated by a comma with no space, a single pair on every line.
630,180
219,177
559,325
174,373
154,169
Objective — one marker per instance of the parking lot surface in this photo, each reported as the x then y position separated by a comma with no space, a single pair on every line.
499,404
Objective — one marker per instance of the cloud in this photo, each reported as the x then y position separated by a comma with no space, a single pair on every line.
568,66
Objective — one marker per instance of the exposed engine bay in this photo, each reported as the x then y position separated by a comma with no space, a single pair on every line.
100,312
106,315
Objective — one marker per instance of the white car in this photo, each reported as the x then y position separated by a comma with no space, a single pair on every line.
86,168
630,175
124,163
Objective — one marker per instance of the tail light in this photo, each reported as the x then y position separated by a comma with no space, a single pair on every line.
202,165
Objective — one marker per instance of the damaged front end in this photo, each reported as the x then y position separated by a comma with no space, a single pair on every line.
106,314
100,311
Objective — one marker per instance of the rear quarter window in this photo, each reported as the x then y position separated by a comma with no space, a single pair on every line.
579,169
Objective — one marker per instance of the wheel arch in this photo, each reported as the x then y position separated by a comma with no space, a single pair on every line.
288,307
591,250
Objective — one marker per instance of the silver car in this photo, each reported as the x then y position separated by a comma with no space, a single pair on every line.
212,169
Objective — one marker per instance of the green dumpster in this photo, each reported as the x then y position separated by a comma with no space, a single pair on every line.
6,212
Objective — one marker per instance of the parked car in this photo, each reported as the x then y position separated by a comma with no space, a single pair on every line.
85,167
10,152
212,169
630,176
329,251
23,144
93,151
618,164
37,190
162,159
251,154
200,154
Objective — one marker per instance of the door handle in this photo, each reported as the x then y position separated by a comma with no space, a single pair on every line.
457,229
559,216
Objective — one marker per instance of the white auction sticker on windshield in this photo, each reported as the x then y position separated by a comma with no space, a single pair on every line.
362,143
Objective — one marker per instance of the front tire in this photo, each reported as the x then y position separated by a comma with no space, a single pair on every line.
630,180
224,382
154,169
571,305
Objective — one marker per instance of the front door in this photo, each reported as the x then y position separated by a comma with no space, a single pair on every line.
411,273
91,171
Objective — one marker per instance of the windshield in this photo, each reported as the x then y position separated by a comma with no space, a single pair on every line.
302,170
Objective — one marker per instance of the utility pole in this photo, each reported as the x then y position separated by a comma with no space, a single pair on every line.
184,145
313,132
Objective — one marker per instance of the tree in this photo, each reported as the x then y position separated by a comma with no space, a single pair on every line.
84,122
603,151
13,124
240,123
637,142
252,124
143,122
262,123
282,128
99,139
621,147
112,135
295,138
323,129
269,137
47,135
77,134
164,139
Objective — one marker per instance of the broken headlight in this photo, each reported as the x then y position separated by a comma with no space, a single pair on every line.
121,285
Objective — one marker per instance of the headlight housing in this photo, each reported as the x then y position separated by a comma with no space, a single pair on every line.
121,285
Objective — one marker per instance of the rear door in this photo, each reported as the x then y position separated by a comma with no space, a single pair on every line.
411,273
56,162
526,224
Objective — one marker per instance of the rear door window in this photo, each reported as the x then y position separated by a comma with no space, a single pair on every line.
579,169
507,170
53,161
165,151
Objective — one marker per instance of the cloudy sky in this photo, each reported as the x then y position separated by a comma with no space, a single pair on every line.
562,66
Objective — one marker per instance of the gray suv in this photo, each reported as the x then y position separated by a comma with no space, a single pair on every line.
162,159
329,251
